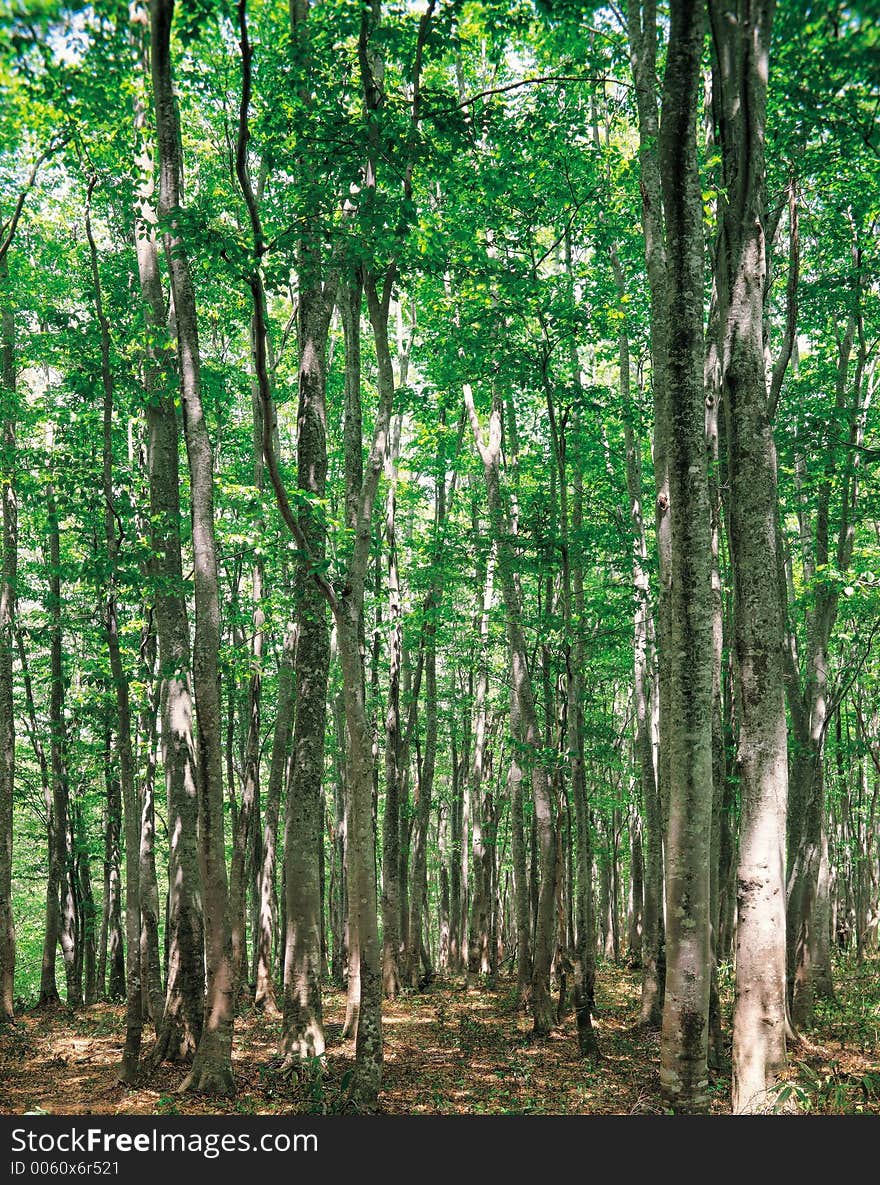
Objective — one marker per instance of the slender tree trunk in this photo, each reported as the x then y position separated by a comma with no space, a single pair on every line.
265,997
742,43
543,1012
573,614
184,933
455,851
7,641
212,1065
128,1071
303,1028
478,942
339,892
636,893
247,817
88,912
423,804
466,836
808,921
62,927
394,774
642,33
151,970
348,614
686,650
360,835
518,854
443,890
712,381
48,991
651,886
115,945
351,296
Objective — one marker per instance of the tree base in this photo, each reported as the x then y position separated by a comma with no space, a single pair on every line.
208,1079
268,1007
210,1074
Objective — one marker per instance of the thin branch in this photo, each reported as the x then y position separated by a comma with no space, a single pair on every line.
537,81
8,228
791,302
857,669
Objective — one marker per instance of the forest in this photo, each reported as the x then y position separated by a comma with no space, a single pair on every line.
440,559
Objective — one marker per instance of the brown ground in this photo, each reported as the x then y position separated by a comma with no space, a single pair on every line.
446,1052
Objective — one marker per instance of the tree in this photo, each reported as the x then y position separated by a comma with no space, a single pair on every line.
741,51
212,1066
687,648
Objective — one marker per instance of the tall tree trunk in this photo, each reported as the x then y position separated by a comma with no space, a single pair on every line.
264,996
184,931
303,1029
151,969
518,855
425,790
212,1065
302,1034
543,1012
636,893
247,845
466,834
478,941
351,297
651,887
347,610
712,381
742,44
48,990
394,774
128,1070
642,34
112,957
88,912
808,921
360,837
573,648
62,927
7,641
455,851
686,650
443,890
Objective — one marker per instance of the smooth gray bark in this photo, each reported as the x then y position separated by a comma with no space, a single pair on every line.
184,933
212,1065
741,39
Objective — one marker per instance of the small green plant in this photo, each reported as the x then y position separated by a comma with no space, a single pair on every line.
167,1105
828,1092
325,1098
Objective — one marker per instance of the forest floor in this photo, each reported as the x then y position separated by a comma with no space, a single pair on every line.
447,1051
